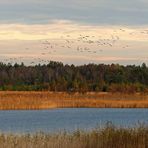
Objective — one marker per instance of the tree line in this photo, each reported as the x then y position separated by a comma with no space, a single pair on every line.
55,76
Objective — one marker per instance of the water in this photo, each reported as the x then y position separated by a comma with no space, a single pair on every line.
68,119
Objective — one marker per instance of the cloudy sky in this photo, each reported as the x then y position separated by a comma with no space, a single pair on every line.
74,31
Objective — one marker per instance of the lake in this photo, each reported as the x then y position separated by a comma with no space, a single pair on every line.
55,120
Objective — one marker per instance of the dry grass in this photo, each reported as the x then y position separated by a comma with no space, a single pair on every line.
108,137
47,100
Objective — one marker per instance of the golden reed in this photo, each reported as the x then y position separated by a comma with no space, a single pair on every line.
107,137
29,100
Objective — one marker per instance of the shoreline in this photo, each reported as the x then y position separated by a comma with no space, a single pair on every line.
40,100
107,137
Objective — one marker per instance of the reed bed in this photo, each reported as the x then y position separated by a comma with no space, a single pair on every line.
15,100
107,137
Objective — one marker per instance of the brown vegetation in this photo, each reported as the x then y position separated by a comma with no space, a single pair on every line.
108,137
47,100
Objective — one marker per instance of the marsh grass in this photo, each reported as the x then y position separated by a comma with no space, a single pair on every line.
47,100
107,137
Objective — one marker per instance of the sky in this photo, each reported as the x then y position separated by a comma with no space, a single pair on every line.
74,31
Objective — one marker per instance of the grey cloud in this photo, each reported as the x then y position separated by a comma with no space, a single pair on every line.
133,12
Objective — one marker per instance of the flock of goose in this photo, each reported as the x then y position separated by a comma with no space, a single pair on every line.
81,43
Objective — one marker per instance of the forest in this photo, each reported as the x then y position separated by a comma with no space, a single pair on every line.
55,76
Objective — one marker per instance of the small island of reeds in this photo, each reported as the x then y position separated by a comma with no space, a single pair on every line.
30,100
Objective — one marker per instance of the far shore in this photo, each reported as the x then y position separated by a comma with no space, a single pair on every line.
36,100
